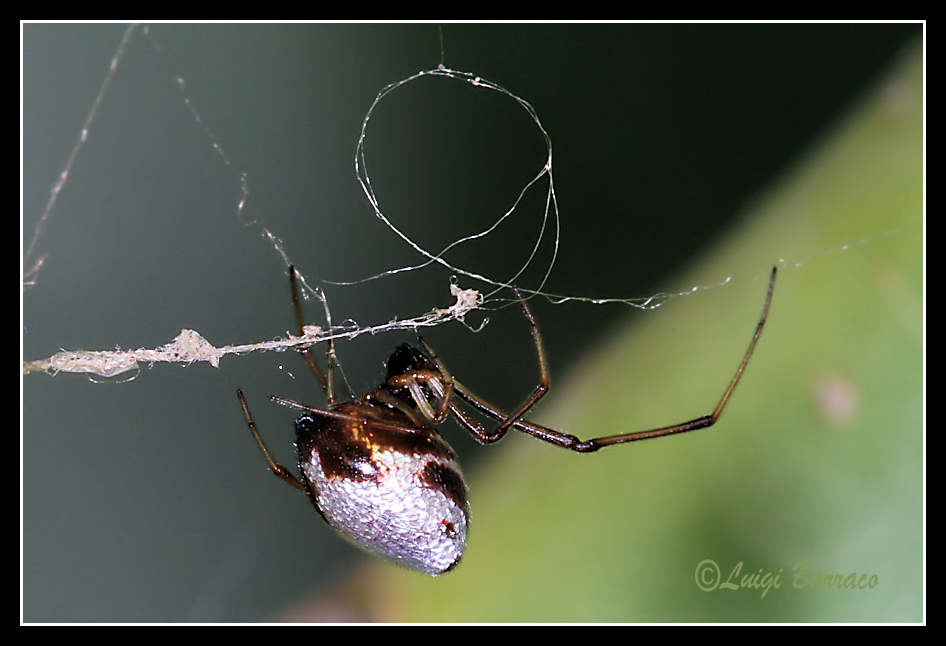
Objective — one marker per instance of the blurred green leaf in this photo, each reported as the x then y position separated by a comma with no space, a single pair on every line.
818,458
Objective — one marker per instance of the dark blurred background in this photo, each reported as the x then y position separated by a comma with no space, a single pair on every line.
148,501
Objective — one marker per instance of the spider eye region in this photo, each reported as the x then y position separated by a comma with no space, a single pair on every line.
396,494
406,358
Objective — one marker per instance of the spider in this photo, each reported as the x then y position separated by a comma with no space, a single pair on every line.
379,472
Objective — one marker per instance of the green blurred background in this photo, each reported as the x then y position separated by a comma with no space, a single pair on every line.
683,154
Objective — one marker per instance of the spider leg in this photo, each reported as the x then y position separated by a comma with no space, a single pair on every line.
367,417
541,432
475,429
324,379
412,381
277,469
571,442
443,384
447,395
509,419
385,397
543,386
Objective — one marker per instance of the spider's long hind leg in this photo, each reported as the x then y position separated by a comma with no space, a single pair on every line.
706,420
571,442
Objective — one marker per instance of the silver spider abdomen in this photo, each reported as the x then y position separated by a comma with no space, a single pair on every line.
395,494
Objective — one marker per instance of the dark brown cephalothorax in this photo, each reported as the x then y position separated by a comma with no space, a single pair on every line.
379,472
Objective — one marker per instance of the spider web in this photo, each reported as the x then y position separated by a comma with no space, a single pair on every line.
471,290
